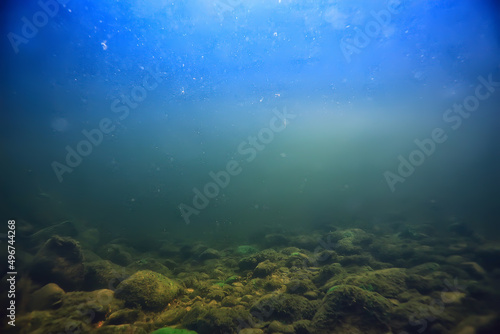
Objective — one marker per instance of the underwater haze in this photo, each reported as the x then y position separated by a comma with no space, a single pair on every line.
180,86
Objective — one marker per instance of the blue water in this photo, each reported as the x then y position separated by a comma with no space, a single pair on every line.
224,117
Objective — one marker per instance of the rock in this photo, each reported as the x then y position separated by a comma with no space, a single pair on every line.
328,272
248,263
64,229
278,327
284,307
209,254
170,317
351,241
246,250
48,297
89,238
148,289
104,274
308,242
264,269
302,327
168,250
488,256
299,260
387,282
346,304
480,324
251,331
123,316
60,261
119,329
149,264
455,259
116,254
170,330
474,269
210,320
300,286
424,269
452,297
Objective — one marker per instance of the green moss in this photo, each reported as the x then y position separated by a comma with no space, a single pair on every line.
231,279
246,250
332,289
220,284
367,287
170,330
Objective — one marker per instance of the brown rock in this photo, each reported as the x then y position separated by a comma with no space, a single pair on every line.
60,261
46,298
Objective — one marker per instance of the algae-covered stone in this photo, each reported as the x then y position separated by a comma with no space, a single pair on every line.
148,289
283,307
210,320
170,330
149,264
119,329
246,250
387,282
123,316
104,274
278,327
48,297
60,261
264,269
349,304
117,254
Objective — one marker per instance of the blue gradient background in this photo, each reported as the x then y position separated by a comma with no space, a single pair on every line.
224,70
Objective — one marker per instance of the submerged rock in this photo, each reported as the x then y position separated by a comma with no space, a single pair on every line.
387,282
210,320
60,261
104,274
47,297
264,269
246,250
148,289
116,254
64,229
283,307
349,306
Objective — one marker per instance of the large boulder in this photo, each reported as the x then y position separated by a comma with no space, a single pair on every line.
60,261
283,307
349,309
210,320
46,298
147,289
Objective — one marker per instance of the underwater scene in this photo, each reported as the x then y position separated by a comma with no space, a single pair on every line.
250,166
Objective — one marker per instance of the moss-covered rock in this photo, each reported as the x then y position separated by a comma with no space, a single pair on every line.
148,289
346,304
104,274
283,307
123,316
170,330
300,286
264,269
60,261
328,272
149,264
387,282
117,254
210,320
48,297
